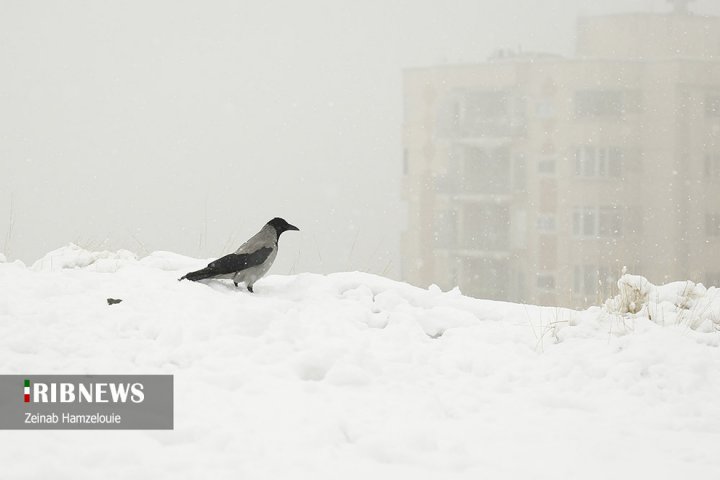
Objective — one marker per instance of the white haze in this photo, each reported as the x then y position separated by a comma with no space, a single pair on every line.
184,126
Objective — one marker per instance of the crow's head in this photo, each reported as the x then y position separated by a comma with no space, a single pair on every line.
280,225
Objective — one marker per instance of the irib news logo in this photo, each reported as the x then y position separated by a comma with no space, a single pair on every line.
100,392
86,402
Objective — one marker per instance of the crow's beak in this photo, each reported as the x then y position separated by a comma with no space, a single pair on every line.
292,227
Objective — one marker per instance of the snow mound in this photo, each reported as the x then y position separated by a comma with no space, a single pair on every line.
352,375
73,256
677,303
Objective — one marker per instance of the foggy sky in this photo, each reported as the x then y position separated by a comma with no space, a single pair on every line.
185,126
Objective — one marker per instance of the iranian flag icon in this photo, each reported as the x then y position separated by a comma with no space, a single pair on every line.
27,391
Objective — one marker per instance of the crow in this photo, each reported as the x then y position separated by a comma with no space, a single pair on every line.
251,261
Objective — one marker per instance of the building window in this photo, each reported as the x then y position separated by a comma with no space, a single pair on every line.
602,162
585,280
597,222
584,222
712,165
546,223
546,281
482,113
712,224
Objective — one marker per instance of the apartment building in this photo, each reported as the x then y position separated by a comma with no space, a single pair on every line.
537,178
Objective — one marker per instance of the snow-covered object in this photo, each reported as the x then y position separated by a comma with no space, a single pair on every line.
634,291
73,256
356,376
682,303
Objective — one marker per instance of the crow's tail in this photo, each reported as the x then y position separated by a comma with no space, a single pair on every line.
198,275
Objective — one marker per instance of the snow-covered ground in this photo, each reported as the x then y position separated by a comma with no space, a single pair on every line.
352,375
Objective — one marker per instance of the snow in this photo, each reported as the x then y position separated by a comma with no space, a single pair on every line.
672,304
351,375
73,256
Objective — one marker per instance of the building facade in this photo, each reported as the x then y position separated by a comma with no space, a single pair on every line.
536,178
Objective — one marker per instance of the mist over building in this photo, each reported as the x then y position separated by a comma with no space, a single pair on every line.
536,178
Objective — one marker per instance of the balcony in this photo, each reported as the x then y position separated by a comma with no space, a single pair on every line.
482,114
479,174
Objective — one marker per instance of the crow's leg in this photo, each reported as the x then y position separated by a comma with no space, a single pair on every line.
250,289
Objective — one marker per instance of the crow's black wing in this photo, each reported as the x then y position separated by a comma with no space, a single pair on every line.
236,262
230,264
